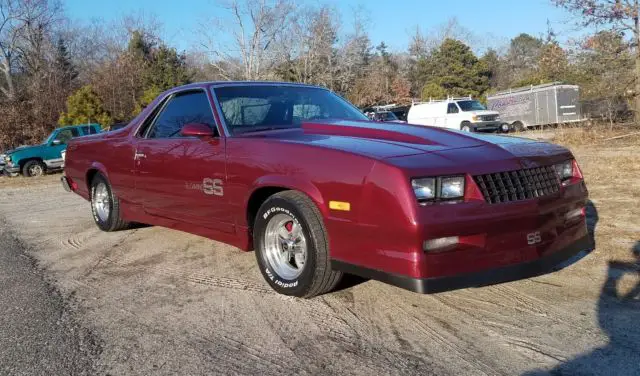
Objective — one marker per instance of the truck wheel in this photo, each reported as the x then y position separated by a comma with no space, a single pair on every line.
105,206
465,126
292,247
518,126
33,168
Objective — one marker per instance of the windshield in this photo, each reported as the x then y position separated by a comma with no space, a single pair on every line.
471,106
48,139
252,108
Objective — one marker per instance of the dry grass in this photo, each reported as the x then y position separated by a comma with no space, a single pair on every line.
598,135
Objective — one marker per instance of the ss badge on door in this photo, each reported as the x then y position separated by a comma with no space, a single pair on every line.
534,238
212,187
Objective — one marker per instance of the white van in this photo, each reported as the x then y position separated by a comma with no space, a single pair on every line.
465,114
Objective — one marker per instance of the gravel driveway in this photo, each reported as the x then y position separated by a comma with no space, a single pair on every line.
164,302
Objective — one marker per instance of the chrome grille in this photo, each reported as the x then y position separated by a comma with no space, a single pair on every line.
488,117
518,185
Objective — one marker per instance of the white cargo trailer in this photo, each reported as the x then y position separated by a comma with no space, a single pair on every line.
531,106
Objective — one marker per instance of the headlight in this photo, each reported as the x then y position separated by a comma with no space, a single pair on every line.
452,187
475,117
425,188
564,170
438,188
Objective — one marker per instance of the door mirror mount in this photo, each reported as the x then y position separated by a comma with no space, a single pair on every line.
197,130
56,142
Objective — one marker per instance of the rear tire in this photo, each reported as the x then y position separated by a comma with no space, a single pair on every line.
105,206
33,169
518,126
292,246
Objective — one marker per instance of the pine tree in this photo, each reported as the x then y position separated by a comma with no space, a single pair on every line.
64,65
85,107
454,68
166,69
139,46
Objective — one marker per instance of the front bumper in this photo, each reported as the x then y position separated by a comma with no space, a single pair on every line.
486,126
67,184
10,170
502,274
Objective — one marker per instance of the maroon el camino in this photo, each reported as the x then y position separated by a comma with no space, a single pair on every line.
301,176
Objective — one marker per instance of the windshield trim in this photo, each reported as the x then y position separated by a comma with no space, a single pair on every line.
220,114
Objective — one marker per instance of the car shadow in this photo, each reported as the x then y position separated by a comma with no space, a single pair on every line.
618,310
592,221
348,281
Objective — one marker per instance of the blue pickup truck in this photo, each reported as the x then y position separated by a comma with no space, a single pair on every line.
36,160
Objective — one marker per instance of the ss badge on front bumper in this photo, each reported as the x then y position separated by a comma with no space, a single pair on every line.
534,238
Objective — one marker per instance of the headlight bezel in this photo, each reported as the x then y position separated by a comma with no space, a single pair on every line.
427,183
564,170
439,187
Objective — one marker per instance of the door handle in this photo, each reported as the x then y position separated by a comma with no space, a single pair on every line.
137,156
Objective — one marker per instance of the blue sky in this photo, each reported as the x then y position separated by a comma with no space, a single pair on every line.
494,21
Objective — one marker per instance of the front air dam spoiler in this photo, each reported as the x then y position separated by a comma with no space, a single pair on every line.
553,262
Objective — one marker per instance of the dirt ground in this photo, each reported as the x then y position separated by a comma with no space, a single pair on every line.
166,302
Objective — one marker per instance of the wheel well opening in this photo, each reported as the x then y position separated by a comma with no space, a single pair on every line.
257,199
90,175
25,161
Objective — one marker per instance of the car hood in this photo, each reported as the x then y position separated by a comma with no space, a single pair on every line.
22,147
26,149
484,112
391,141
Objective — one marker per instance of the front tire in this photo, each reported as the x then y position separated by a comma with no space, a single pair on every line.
33,169
105,206
465,127
518,126
292,246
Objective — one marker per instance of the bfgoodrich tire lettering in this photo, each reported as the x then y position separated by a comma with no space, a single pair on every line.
105,206
315,277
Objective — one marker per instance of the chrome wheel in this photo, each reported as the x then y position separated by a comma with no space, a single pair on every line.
101,202
285,246
35,170
466,128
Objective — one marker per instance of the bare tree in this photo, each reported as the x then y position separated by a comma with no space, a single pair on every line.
255,26
620,16
354,54
307,48
25,29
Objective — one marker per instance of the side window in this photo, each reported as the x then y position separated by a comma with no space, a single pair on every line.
452,108
245,111
65,135
93,130
305,111
184,108
85,130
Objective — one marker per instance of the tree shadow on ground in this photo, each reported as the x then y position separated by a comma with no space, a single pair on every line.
618,317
